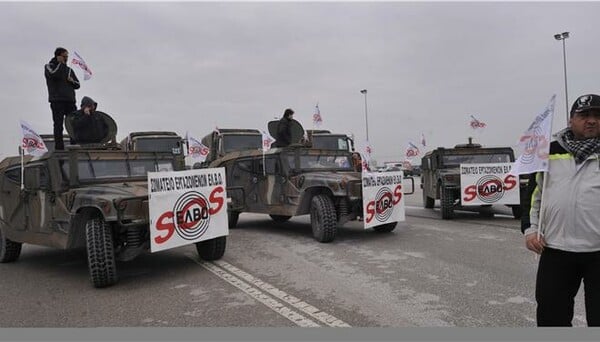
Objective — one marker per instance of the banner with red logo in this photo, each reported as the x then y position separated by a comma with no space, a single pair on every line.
186,207
383,198
31,143
483,184
196,149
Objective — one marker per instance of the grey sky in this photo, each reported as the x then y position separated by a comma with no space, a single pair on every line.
194,66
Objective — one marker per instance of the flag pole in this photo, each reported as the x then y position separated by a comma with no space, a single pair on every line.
22,169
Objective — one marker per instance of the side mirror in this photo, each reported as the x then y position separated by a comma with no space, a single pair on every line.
32,179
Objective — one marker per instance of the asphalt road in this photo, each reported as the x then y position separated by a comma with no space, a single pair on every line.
468,272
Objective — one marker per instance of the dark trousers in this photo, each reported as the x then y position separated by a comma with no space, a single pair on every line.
59,110
559,277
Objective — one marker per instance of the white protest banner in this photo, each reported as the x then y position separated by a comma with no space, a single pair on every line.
484,184
31,143
186,207
77,60
383,198
317,119
534,144
196,149
267,141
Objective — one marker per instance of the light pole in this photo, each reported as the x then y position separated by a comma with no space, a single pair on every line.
364,91
563,36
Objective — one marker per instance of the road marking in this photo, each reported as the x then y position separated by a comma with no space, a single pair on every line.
232,275
295,302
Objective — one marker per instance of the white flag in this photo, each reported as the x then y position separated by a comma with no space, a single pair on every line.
412,150
267,141
77,60
476,124
196,149
32,143
317,119
534,144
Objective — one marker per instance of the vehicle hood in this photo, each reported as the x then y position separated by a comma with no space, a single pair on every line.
113,190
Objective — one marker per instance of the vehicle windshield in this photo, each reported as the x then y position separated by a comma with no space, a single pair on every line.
456,160
241,142
106,169
319,162
172,145
330,142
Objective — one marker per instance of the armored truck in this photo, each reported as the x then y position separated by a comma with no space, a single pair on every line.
440,175
324,139
91,196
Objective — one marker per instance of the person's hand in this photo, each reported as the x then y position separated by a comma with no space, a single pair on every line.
534,243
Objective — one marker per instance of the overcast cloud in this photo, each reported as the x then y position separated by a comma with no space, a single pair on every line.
193,66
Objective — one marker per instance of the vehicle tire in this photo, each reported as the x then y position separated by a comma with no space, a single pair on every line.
212,249
280,218
428,202
9,250
385,228
323,218
102,263
447,204
517,212
232,218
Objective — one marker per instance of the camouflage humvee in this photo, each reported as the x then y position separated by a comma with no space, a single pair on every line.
324,139
87,196
227,140
440,175
295,180
156,141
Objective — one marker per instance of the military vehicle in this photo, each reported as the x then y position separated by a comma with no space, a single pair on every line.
153,141
440,175
324,139
93,196
227,140
156,141
296,180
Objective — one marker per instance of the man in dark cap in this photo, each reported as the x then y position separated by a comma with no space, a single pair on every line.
61,82
284,129
569,243
88,126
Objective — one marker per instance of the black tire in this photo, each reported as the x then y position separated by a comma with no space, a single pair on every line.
428,202
232,218
280,218
517,212
447,204
323,218
102,263
385,228
212,249
9,250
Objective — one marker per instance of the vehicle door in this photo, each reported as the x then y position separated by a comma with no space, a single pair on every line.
40,199
12,202
242,185
270,181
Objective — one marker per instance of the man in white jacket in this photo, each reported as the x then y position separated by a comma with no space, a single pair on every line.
569,243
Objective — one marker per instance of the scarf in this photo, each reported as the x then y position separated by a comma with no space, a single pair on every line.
580,149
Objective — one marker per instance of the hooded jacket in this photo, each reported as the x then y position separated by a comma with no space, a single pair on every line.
88,129
59,88
570,220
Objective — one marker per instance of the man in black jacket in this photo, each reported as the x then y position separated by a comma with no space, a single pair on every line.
88,126
284,129
61,82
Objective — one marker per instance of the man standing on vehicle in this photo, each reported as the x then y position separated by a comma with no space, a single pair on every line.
61,82
570,241
284,129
